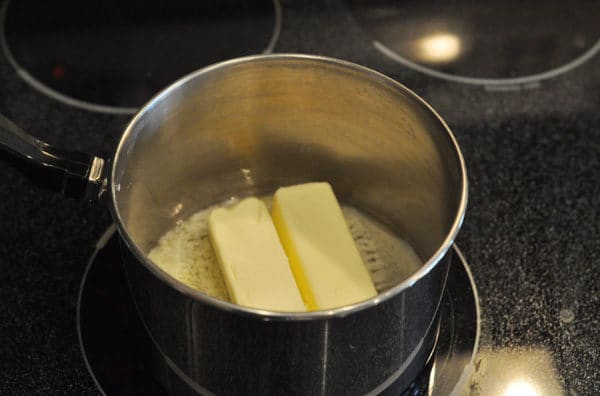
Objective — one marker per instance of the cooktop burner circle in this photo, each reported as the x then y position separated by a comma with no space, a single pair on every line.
490,43
115,345
112,56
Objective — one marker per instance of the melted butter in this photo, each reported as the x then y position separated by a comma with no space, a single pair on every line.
185,252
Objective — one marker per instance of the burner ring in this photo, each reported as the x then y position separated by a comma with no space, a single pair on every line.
47,90
491,83
501,45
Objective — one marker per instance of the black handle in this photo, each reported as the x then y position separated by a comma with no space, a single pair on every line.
71,173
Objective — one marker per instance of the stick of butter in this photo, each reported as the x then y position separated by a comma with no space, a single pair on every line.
253,262
325,261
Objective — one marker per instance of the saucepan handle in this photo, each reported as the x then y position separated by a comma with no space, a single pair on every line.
71,173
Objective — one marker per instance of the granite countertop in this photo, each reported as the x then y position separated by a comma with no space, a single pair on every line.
531,234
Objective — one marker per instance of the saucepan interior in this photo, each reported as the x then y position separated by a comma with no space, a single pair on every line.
249,126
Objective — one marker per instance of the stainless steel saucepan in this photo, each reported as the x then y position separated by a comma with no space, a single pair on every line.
246,127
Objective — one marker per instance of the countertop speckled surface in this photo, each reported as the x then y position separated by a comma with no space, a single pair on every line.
531,234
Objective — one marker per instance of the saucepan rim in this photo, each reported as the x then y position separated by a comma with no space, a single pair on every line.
275,315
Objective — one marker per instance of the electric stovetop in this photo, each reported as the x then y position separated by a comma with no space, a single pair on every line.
517,82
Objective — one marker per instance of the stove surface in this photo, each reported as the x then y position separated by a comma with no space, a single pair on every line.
532,149
113,56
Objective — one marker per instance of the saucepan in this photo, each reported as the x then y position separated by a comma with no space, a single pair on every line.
246,127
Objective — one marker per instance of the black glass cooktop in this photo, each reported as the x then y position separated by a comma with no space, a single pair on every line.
517,82
114,55
114,343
